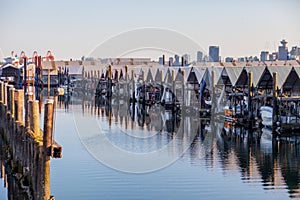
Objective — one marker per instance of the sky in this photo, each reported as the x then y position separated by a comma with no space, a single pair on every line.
71,29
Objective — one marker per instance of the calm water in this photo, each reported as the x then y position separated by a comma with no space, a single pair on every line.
217,164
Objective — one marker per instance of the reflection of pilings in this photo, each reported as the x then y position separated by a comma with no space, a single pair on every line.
2,169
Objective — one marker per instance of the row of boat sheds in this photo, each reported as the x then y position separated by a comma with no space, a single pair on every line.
267,93
245,95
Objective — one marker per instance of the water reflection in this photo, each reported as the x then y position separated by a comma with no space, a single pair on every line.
254,154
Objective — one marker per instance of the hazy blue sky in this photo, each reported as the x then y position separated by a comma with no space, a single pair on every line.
73,28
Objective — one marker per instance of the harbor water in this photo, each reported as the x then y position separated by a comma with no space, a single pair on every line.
224,164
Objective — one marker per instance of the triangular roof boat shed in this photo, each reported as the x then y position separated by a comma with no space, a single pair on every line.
266,80
168,77
230,75
242,80
292,81
157,77
149,78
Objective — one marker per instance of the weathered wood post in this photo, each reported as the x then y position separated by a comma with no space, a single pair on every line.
34,117
275,103
173,89
1,91
5,94
12,101
109,91
47,143
162,84
28,97
213,96
183,88
250,113
133,99
19,105
144,86
126,81
133,86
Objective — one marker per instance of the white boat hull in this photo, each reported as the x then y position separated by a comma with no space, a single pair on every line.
266,115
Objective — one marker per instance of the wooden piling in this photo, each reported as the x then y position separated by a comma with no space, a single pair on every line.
28,97
250,82
183,88
34,117
47,142
12,101
1,91
213,97
5,94
133,86
173,86
275,103
19,105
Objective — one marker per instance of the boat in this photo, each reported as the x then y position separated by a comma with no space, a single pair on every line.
266,115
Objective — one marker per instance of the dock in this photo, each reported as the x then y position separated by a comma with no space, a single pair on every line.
27,148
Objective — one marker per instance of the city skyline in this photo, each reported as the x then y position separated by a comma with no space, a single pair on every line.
72,29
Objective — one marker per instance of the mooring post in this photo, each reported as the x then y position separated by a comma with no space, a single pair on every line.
109,91
133,86
275,103
213,97
29,97
173,88
144,86
126,81
5,94
34,117
183,88
1,91
250,113
162,84
19,105
47,142
12,101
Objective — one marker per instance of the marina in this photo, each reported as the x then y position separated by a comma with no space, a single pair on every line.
199,113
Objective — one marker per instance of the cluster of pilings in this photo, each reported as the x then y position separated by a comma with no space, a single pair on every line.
29,147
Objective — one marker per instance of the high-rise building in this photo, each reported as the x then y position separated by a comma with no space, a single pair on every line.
241,59
199,56
171,60
214,54
295,52
160,60
264,56
273,56
186,58
176,62
283,50
228,59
